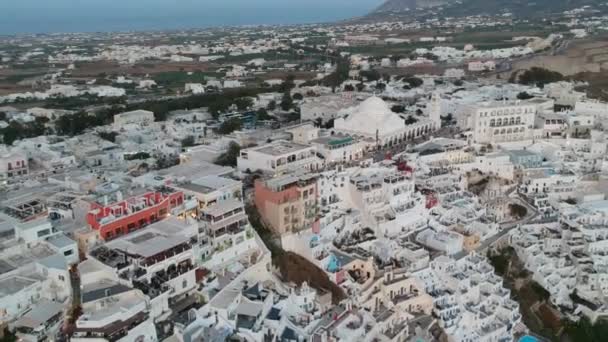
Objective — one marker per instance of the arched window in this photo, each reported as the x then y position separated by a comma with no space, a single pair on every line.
492,123
499,122
512,121
518,120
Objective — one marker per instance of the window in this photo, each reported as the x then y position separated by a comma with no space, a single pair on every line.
185,283
68,252
44,232
62,278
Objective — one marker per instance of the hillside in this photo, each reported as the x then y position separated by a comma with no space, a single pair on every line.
525,8
405,5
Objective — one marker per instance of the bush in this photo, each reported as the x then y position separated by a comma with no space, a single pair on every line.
524,96
188,141
242,103
517,211
138,156
539,76
370,75
414,82
230,126
410,120
109,136
398,109
229,158
286,102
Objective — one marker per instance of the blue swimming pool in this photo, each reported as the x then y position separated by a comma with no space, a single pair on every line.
528,338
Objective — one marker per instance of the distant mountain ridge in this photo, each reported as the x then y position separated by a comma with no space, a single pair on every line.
526,8
404,5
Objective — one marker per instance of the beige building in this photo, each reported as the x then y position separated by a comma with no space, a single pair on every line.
395,289
288,204
136,117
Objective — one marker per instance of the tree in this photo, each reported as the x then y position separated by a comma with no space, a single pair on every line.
8,336
221,105
188,141
109,136
230,126
410,120
272,105
349,87
381,86
288,84
524,96
230,156
447,120
329,124
138,156
286,102
360,87
414,82
430,56
77,123
298,96
459,83
242,103
517,211
370,75
539,77
398,108
262,115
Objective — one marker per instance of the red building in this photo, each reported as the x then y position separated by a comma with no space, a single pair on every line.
125,216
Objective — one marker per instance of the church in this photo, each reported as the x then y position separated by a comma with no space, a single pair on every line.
375,122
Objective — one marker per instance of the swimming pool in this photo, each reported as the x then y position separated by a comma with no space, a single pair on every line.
528,338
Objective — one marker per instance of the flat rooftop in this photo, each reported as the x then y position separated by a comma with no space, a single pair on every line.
196,169
209,184
61,241
14,284
280,147
522,153
278,183
223,207
24,256
40,314
154,239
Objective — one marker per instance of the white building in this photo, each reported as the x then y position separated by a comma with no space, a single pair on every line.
339,148
13,166
445,241
114,312
482,66
495,122
374,122
279,157
194,88
327,107
136,117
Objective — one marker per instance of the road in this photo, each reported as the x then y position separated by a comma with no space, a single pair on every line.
504,229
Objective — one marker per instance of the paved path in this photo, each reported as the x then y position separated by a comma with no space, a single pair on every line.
504,229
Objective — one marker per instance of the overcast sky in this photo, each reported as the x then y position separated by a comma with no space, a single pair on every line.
100,15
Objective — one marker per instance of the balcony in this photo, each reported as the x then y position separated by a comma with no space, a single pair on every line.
114,331
166,255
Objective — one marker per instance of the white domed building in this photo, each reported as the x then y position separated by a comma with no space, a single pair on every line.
375,122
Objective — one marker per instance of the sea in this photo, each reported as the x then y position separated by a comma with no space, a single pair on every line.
67,16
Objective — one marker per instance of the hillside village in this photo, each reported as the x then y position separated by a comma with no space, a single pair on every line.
348,182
